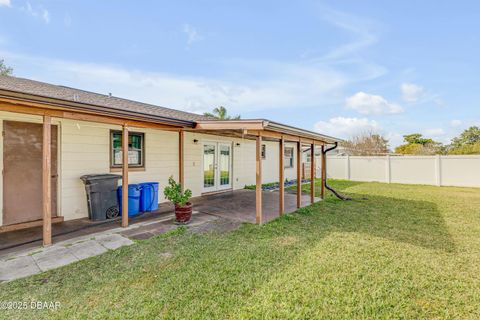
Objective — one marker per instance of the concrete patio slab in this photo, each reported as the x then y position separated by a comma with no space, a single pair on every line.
113,241
53,257
86,249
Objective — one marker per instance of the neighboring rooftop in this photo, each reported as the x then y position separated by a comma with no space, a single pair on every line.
22,85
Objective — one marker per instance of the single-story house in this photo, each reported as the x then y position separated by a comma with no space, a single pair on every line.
52,135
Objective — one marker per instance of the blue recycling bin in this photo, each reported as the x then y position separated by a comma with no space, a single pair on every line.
149,196
134,191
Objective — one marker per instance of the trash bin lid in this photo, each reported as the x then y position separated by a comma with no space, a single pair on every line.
95,177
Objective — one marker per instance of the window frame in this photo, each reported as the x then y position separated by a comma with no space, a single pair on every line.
142,150
288,162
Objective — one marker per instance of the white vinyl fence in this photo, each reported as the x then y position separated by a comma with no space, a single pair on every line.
462,171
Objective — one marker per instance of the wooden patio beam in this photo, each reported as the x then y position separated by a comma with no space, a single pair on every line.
312,173
47,181
258,185
279,136
299,174
125,176
181,156
281,178
324,173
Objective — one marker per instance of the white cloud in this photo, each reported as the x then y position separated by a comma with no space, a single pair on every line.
412,92
363,31
192,34
455,123
40,13
365,103
346,127
45,16
394,139
435,132
280,86
362,34
5,3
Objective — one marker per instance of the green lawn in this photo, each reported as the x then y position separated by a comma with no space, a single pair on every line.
395,251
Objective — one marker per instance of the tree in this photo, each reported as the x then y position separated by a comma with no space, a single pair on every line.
366,144
469,136
416,138
417,144
467,143
4,69
221,114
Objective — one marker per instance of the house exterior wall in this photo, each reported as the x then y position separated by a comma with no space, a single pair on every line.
84,148
243,161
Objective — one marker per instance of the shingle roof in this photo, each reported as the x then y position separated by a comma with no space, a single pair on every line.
80,96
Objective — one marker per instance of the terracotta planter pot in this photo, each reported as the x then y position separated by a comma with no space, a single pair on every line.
183,214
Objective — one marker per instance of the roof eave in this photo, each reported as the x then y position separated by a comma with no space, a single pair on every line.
86,107
262,124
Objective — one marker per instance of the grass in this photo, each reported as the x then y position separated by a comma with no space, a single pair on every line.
395,251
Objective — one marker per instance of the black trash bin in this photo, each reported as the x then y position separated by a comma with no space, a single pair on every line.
101,195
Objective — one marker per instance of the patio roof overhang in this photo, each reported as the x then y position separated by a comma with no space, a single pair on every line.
251,128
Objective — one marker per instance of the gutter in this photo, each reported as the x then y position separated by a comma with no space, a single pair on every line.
338,195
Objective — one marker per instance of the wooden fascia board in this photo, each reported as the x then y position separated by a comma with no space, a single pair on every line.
287,137
230,125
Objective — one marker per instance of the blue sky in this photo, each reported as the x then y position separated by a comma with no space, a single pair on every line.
339,67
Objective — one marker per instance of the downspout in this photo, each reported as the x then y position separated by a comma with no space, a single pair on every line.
338,195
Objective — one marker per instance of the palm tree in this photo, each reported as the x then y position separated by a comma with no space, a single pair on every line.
221,114
4,69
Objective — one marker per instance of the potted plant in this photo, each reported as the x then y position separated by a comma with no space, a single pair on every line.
183,208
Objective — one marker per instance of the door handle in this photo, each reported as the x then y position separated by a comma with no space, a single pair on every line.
54,176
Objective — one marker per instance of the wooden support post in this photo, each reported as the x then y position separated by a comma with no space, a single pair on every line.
47,181
281,178
181,139
125,176
258,187
324,173
299,174
312,173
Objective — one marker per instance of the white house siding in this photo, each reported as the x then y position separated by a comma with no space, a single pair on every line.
243,161
84,148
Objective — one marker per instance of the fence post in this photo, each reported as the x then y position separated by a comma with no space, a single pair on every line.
348,167
438,171
389,171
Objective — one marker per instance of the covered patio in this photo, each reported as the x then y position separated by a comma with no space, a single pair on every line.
47,106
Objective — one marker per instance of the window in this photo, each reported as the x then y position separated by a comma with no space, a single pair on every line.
264,151
136,149
288,157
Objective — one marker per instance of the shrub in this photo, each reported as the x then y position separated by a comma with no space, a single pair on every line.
173,192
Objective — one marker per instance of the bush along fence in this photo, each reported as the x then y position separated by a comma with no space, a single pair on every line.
462,171
273,186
